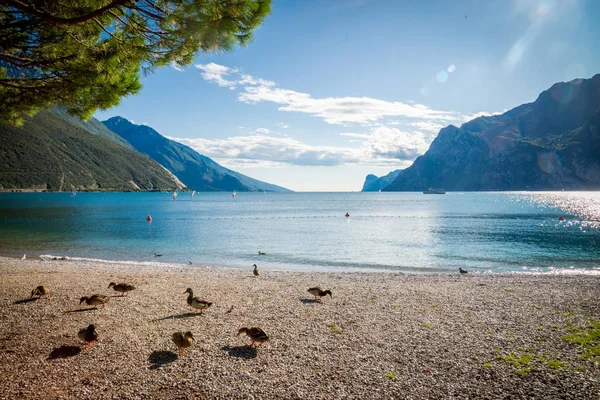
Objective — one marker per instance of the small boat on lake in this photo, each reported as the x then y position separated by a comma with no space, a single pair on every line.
434,191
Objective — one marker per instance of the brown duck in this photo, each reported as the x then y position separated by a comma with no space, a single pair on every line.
255,334
95,300
318,292
183,340
195,302
122,288
40,291
88,335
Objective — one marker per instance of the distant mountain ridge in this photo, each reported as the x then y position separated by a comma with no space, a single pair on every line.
196,171
374,183
550,144
58,152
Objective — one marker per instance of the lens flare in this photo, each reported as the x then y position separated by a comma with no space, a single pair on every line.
451,68
441,76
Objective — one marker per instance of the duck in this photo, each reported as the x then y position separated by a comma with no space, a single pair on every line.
255,334
40,291
88,335
262,253
183,340
256,271
194,302
123,288
463,271
157,255
318,292
95,300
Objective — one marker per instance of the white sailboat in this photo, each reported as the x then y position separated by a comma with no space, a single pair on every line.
234,193
193,193
175,195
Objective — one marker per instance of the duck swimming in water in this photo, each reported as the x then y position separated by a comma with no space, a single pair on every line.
261,253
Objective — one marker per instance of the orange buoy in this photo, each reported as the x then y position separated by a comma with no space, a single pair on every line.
347,215
149,218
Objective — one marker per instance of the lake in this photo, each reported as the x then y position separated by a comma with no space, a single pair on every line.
403,232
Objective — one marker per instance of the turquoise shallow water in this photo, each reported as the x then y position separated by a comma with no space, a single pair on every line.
410,232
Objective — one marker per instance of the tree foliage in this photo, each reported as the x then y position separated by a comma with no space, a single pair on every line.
88,54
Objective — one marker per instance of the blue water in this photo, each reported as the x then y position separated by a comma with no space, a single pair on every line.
408,232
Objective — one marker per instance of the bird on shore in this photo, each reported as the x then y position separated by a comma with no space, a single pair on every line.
88,335
262,253
463,271
183,340
157,255
257,335
122,288
189,262
256,271
24,257
95,300
40,291
318,292
195,302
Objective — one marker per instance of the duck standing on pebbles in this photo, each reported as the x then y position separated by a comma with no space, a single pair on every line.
88,335
463,271
257,335
183,340
194,302
95,300
40,291
256,272
121,287
319,292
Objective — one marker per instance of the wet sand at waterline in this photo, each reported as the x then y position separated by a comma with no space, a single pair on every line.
381,335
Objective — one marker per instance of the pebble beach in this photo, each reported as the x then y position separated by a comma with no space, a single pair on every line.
380,335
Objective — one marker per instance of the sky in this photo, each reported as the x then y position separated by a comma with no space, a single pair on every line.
330,91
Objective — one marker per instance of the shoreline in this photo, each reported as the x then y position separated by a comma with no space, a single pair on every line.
379,336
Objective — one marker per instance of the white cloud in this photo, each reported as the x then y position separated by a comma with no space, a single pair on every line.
427,126
382,146
283,125
334,110
176,66
262,130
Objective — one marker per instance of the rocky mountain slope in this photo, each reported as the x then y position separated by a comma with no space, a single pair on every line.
550,144
56,152
198,172
374,183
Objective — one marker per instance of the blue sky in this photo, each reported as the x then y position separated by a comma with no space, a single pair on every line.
330,91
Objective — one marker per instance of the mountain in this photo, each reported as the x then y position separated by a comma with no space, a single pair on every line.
550,144
51,152
192,168
374,184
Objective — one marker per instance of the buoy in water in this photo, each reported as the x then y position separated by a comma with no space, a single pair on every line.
347,215
561,218
149,218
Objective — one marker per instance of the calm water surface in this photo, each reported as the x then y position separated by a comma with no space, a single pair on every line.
408,232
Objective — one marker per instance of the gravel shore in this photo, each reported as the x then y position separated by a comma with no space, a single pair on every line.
381,335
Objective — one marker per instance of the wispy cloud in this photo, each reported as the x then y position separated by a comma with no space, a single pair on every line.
333,110
283,125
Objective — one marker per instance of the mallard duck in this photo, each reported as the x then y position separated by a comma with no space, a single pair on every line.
157,255
318,292
463,271
257,335
40,291
194,302
95,300
183,340
88,335
256,271
262,253
121,287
